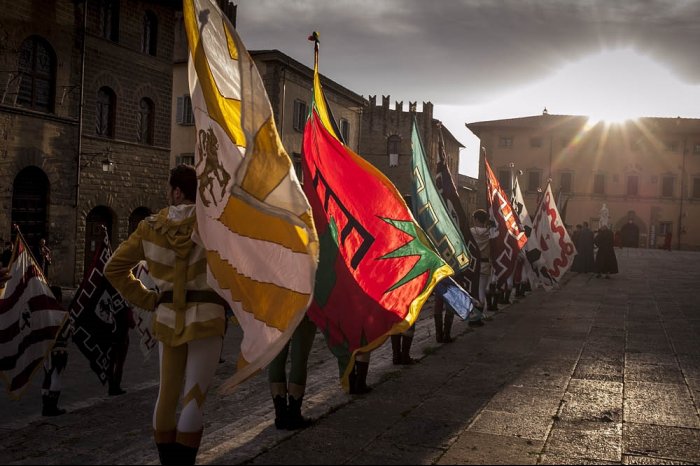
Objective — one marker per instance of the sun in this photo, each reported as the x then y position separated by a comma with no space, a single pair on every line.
614,86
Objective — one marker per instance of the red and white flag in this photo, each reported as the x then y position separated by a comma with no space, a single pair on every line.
30,320
511,236
552,239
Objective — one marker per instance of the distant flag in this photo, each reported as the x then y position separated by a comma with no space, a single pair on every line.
142,317
562,204
531,270
252,215
30,321
434,218
511,238
551,237
444,182
376,268
95,313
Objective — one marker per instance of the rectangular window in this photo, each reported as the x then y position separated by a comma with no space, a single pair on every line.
667,186
536,142
185,116
633,185
504,180
506,141
566,182
296,160
696,148
345,130
185,159
672,146
599,184
534,181
299,115
696,188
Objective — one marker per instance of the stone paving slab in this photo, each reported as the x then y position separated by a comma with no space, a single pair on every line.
597,372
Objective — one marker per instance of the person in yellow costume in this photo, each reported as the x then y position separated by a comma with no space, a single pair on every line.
189,315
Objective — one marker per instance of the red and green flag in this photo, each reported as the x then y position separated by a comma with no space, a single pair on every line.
376,266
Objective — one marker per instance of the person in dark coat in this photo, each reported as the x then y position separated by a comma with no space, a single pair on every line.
585,249
605,260
576,265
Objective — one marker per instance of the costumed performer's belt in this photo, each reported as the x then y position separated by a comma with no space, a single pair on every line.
484,259
194,296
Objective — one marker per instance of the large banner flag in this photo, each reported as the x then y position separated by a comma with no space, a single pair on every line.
551,237
511,237
30,320
448,189
431,212
252,215
95,314
377,267
531,270
142,317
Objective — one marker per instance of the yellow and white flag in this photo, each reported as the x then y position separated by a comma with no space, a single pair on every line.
252,215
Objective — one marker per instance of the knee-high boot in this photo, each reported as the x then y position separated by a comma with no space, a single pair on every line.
359,381
439,334
294,418
406,358
447,329
492,297
280,402
396,349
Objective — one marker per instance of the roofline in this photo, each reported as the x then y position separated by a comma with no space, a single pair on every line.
277,55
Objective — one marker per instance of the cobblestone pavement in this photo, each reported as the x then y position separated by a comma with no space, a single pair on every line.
600,371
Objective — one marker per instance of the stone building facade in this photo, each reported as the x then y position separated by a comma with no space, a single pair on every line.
386,140
646,172
85,121
289,86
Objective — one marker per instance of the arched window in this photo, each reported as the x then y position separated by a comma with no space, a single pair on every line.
136,216
37,68
106,109
30,199
109,19
392,149
99,217
145,121
149,41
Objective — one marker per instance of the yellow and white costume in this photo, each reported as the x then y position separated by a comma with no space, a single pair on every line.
189,316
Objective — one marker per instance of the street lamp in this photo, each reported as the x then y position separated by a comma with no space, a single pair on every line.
107,162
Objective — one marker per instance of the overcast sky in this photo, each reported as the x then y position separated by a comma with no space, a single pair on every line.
485,60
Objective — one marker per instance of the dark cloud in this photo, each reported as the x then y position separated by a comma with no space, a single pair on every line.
451,51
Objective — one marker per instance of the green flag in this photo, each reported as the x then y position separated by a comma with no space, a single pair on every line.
431,212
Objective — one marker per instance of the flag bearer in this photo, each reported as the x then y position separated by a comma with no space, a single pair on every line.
189,315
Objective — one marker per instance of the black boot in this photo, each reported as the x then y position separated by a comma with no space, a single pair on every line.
294,418
49,404
439,335
492,298
280,403
358,385
185,455
396,349
166,453
447,328
505,296
406,358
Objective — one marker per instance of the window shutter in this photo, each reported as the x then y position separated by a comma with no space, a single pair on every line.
180,109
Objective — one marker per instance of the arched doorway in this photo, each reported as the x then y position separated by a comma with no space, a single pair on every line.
629,234
30,200
136,216
98,217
